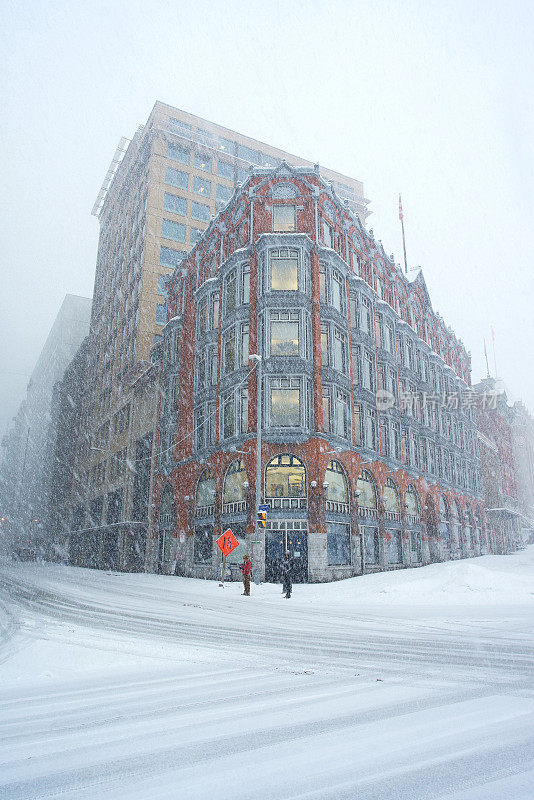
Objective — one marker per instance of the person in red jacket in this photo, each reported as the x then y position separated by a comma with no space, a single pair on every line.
246,569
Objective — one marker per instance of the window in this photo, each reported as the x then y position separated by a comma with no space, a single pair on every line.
222,195
366,488
169,257
327,410
179,125
284,218
244,344
177,153
324,346
203,316
358,424
367,370
337,292
234,484
338,543
162,284
211,419
199,428
340,351
371,545
201,186
174,203
394,547
175,177
229,351
201,369
245,284
230,292
285,476
173,230
285,402
322,283
365,315
202,162
161,317
213,362
244,410
215,312
205,496
341,415
158,338
247,154
225,170
284,333
370,429
200,212
228,415
391,497
284,270
327,234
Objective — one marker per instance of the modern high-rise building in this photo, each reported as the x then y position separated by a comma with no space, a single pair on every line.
26,467
161,191
368,456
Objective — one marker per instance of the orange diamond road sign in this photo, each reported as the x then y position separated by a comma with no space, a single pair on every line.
227,542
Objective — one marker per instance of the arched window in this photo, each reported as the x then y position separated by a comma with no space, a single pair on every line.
285,482
337,493
391,497
284,191
412,504
234,492
366,487
205,497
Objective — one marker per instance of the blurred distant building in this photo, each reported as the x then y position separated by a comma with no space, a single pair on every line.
369,458
495,420
523,450
26,464
160,193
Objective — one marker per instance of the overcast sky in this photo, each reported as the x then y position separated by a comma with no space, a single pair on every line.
432,99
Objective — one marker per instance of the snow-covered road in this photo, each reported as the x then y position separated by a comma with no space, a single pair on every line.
415,684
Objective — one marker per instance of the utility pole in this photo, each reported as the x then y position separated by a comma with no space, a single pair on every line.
257,359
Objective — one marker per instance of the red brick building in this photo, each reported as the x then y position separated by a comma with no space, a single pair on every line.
369,458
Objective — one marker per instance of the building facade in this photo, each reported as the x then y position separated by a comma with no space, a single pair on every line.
28,447
369,458
161,192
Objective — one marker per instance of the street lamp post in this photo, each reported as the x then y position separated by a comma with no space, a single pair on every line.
257,358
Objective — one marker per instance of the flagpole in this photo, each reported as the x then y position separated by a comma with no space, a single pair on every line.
494,356
401,217
486,355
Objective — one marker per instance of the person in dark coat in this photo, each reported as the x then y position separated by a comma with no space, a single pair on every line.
246,569
287,575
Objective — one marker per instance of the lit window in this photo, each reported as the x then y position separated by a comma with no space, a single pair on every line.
226,144
161,316
284,270
173,230
180,154
202,162
285,476
175,177
285,402
284,333
200,186
178,205
200,212
284,218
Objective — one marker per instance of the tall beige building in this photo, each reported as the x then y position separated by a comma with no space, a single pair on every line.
159,194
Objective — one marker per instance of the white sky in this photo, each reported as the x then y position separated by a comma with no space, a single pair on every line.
428,98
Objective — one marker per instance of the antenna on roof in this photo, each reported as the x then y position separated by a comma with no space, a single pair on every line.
401,217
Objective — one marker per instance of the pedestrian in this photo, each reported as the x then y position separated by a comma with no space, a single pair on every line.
246,569
287,575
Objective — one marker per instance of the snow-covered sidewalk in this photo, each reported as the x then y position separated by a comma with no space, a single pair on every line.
412,684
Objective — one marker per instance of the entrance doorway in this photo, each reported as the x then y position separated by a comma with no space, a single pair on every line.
286,536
